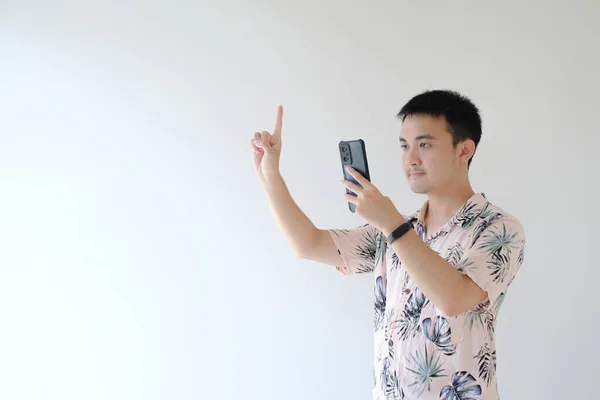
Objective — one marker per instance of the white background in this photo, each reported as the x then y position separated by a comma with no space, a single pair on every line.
138,257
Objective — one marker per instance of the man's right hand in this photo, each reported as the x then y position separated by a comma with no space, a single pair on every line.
266,149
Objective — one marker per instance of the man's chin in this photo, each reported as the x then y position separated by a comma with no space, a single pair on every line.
419,189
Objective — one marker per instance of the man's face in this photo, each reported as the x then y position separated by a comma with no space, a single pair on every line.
429,159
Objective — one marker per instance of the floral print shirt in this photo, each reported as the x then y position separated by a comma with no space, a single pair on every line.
420,353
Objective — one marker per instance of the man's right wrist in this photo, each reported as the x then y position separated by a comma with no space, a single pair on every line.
272,180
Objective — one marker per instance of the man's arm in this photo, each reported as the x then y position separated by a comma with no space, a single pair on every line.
493,261
451,291
306,240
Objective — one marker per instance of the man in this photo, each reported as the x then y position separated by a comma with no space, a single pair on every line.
440,274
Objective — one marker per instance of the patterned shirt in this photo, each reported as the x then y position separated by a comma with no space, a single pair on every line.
420,353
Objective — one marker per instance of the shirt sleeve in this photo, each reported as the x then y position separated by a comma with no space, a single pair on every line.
357,247
495,256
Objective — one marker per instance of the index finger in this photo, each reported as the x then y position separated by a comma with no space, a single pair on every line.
278,121
358,176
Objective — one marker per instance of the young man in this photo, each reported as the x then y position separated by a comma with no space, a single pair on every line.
440,274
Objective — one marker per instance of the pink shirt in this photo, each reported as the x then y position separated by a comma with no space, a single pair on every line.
419,352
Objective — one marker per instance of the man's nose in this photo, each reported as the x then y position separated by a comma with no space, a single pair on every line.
411,158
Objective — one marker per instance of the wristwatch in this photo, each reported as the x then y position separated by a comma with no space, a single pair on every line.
399,231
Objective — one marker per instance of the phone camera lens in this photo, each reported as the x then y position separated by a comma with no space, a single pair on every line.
346,159
344,149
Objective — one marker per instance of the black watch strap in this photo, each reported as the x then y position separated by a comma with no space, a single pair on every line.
398,232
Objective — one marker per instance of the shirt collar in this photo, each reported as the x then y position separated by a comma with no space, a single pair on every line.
470,210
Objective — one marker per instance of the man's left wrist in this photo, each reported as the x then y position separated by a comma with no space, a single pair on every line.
393,224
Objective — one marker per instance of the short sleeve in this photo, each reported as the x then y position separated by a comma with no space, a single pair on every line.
496,255
357,247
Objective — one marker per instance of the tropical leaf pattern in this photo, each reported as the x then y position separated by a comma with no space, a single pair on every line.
482,317
439,332
498,246
435,238
466,216
380,301
425,366
395,261
483,224
486,358
498,302
464,266
408,322
390,385
455,254
419,352
381,250
367,248
475,318
463,387
387,332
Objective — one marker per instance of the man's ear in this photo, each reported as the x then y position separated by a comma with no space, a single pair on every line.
466,150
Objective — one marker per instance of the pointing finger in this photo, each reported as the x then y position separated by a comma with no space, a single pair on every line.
278,121
358,176
351,186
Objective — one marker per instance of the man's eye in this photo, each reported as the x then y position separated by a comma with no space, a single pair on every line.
403,146
424,144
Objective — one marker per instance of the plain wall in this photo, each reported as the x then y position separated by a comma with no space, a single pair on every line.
138,256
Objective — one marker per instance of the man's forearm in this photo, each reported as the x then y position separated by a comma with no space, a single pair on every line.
298,230
448,289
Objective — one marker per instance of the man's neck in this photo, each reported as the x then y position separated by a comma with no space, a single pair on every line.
443,206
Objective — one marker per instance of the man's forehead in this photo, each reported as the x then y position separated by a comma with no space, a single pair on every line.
423,127
421,136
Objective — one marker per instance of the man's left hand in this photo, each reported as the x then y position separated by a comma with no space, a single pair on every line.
375,208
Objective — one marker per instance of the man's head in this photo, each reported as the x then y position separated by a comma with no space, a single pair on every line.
440,132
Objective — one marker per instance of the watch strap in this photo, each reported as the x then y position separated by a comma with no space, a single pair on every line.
399,232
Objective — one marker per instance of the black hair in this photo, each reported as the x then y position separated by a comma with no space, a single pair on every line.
461,115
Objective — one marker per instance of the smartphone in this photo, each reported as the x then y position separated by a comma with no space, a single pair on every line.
354,154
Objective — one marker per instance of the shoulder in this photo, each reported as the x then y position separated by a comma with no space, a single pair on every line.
501,217
496,227
496,224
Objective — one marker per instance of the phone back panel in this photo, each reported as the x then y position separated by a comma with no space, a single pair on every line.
354,154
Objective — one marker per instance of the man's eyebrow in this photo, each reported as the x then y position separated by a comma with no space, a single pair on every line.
420,137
